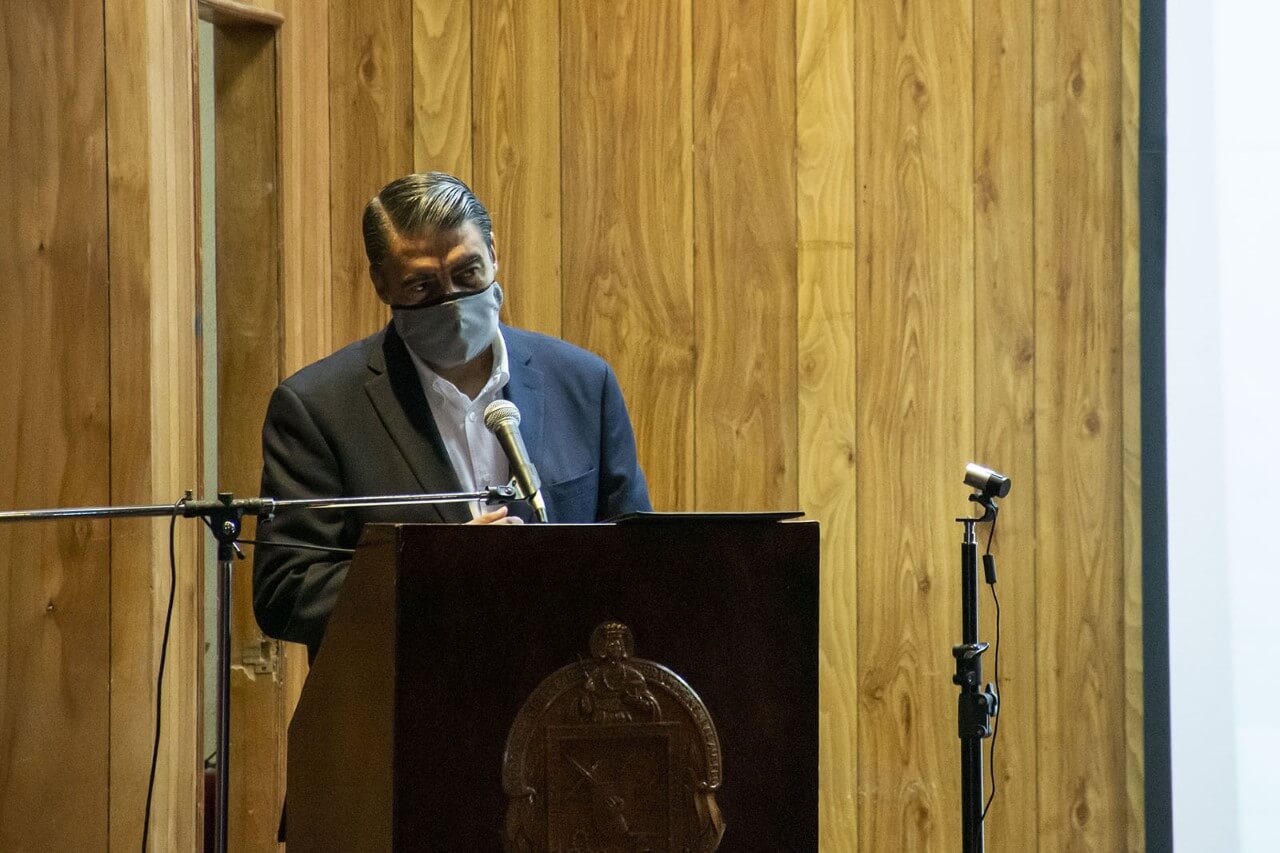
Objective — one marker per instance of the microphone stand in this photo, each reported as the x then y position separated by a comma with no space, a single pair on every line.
977,704
224,516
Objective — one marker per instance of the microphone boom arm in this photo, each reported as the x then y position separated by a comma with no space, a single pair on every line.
264,508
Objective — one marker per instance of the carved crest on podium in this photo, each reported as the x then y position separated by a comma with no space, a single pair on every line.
614,754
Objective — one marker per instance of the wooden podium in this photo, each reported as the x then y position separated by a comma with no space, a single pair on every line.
444,635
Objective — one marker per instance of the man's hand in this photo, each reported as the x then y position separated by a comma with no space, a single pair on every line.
497,516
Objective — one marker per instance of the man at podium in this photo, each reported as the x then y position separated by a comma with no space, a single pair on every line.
401,412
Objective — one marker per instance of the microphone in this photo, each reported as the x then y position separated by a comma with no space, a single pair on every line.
502,418
992,484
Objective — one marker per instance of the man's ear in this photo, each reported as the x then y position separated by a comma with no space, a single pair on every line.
493,250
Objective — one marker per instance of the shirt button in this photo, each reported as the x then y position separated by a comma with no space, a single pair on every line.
471,416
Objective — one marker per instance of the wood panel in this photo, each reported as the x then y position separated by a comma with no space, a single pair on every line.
306,273
442,87
1132,384
915,416
949,331
304,169
247,327
370,143
516,149
1080,536
134,654
154,381
1004,401
54,429
708,188
744,261
628,289
827,385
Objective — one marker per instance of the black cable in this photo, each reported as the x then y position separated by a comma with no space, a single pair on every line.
995,731
164,648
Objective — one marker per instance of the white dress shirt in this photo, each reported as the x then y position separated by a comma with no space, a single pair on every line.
474,451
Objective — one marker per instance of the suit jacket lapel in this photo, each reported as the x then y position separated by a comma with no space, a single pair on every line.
396,392
525,389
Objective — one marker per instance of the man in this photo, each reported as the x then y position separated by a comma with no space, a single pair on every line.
402,411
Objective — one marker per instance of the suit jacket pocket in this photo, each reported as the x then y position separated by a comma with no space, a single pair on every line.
573,500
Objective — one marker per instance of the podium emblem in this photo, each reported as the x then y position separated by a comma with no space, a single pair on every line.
615,754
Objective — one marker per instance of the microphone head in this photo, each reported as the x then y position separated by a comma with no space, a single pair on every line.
501,412
992,484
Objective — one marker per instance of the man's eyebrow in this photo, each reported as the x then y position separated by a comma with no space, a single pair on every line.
414,275
468,260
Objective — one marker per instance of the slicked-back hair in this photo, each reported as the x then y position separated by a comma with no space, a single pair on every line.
415,202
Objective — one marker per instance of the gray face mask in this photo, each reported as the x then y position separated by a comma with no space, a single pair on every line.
447,334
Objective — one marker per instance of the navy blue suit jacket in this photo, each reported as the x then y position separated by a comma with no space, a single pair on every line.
358,423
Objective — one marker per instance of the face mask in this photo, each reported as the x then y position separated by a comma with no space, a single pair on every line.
447,334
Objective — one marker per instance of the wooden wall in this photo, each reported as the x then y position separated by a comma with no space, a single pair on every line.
54,428
834,250
97,273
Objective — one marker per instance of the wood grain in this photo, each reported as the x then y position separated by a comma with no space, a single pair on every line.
1131,356
516,148
744,261
247,327
154,449
1005,392
699,169
442,87
915,416
628,289
304,194
370,143
134,653
306,288
1079,425
827,381
54,429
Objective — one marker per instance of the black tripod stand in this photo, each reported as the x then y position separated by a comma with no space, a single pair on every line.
977,703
